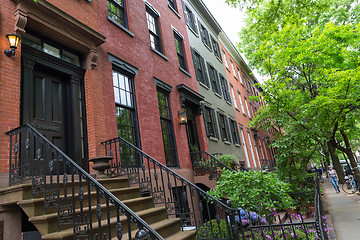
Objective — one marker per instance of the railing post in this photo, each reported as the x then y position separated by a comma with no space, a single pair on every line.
141,235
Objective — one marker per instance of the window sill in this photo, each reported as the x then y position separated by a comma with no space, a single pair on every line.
237,145
176,13
208,47
202,84
220,60
228,69
218,95
228,103
237,109
227,142
184,71
193,31
213,139
244,114
159,53
121,26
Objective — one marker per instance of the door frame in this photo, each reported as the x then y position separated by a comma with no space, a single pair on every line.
31,59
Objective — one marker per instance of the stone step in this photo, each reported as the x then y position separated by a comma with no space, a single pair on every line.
13,194
35,207
48,223
183,235
151,215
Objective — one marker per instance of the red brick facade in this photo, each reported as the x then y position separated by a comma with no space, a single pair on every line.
99,93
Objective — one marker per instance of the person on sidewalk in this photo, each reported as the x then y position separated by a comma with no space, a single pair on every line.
334,179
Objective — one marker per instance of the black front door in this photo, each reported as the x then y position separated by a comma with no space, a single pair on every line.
49,110
52,102
191,131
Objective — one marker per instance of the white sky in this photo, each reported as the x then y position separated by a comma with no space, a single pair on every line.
231,21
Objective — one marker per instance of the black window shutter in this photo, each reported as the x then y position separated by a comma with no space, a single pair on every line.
205,122
220,127
227,128
195,66
216,132
203,67
211,76
237,133
217,82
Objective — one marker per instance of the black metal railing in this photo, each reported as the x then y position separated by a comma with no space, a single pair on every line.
195,208
206,163
81,202
321,223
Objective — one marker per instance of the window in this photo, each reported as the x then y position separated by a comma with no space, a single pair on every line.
245,148
233,96
189,18
153,25
205,36
240,77
125,113
232,67
225,88
180,50
167,128
251,149
224,127
216,48
199,65
234,132
210,122
214,80
117,11
241,104
225,61
247,108
172,4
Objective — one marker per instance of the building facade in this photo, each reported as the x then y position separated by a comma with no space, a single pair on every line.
218,111
243,85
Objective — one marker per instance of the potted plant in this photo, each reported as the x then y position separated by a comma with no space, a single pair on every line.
228,160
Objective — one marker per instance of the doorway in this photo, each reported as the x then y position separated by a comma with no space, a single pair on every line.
191,131
52,102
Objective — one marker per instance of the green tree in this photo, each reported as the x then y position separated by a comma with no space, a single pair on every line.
310,52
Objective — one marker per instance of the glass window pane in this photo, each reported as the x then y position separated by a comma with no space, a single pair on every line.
51,50
115,79
116,95
70,58
32,41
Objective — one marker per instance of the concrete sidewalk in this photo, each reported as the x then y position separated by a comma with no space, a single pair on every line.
344,212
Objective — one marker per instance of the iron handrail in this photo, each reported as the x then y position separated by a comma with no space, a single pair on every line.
218,163
109,150
319,212
131,216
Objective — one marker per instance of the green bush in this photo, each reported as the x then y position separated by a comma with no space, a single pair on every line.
213,229
253,191
228,160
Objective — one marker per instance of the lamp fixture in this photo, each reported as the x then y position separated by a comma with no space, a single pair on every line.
182,117
13,42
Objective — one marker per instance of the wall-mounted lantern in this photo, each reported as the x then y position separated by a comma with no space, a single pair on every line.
13,42
182,117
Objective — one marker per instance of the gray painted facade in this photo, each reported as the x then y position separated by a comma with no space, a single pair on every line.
197,16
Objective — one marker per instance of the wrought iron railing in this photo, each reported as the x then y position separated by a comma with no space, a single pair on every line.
321,223
182,199
64,186
206,163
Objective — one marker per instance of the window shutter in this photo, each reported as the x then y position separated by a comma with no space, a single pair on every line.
227,90
220,128
195,66
237,133
203,67
211,76
217,82
204,116
214,123
227,128
195,24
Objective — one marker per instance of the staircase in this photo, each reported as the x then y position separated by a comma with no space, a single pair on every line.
142,199
47,224
64,202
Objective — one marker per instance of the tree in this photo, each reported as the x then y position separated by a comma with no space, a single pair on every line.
310,51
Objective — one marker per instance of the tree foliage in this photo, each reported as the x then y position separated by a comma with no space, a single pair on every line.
310,52
253,191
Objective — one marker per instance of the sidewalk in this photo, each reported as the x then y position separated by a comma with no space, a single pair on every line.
344,211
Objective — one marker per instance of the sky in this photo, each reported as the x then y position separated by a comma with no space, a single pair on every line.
231,21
